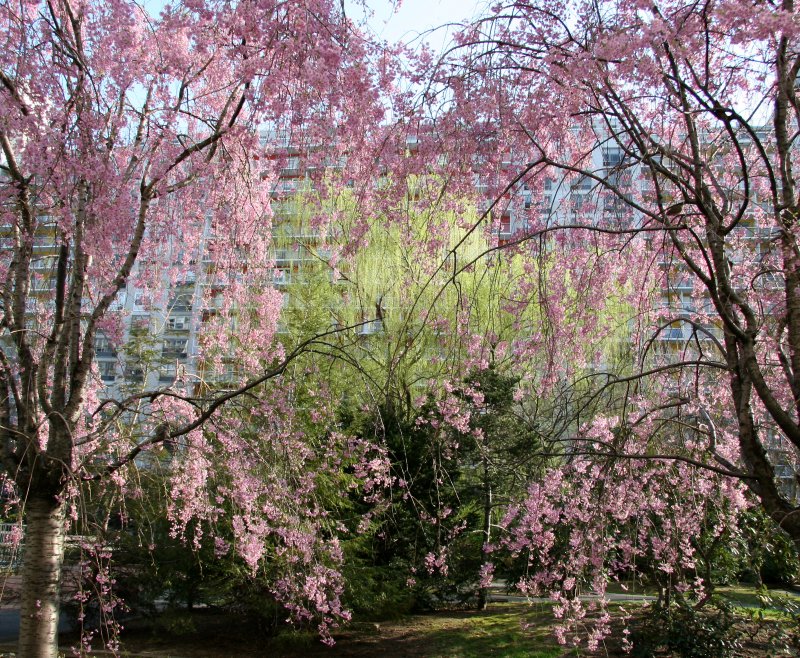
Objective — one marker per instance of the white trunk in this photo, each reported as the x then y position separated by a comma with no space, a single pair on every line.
41,579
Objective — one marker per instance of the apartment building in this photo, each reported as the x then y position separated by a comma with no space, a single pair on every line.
160,343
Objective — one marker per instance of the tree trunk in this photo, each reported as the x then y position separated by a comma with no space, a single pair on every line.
41,578
483,592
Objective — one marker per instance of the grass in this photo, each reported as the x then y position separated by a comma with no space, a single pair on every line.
496,633
507,630
748,596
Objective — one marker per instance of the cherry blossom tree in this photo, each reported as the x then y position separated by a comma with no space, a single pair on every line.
670,129
667,132
130,150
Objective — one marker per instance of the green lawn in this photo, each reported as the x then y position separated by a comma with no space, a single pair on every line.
497,632
748,596
509,630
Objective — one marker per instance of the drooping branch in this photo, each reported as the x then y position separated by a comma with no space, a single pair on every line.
205,408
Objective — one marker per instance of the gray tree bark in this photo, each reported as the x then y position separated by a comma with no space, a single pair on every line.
41,578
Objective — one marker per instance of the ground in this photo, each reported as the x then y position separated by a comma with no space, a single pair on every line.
495,632
508,630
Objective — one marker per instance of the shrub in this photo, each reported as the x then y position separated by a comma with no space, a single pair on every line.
688,632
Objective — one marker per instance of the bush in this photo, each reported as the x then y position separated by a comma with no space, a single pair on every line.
770,557
688,632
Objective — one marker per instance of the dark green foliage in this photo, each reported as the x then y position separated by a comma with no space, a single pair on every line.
755,551
768,556
706,633
404,535
376,592
451,485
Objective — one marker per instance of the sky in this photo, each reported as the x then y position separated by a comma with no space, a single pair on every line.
415,17
406,22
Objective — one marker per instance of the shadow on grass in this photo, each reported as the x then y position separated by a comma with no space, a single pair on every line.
453,634
509,630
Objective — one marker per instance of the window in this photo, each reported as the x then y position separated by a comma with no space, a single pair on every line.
141,300
577,202
167,372
108,370
140,324
583,184
286,186
275,138
674,331
178,323
182,301
174,347
292,167
134,374
369,328
619,178
612,156
102,347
